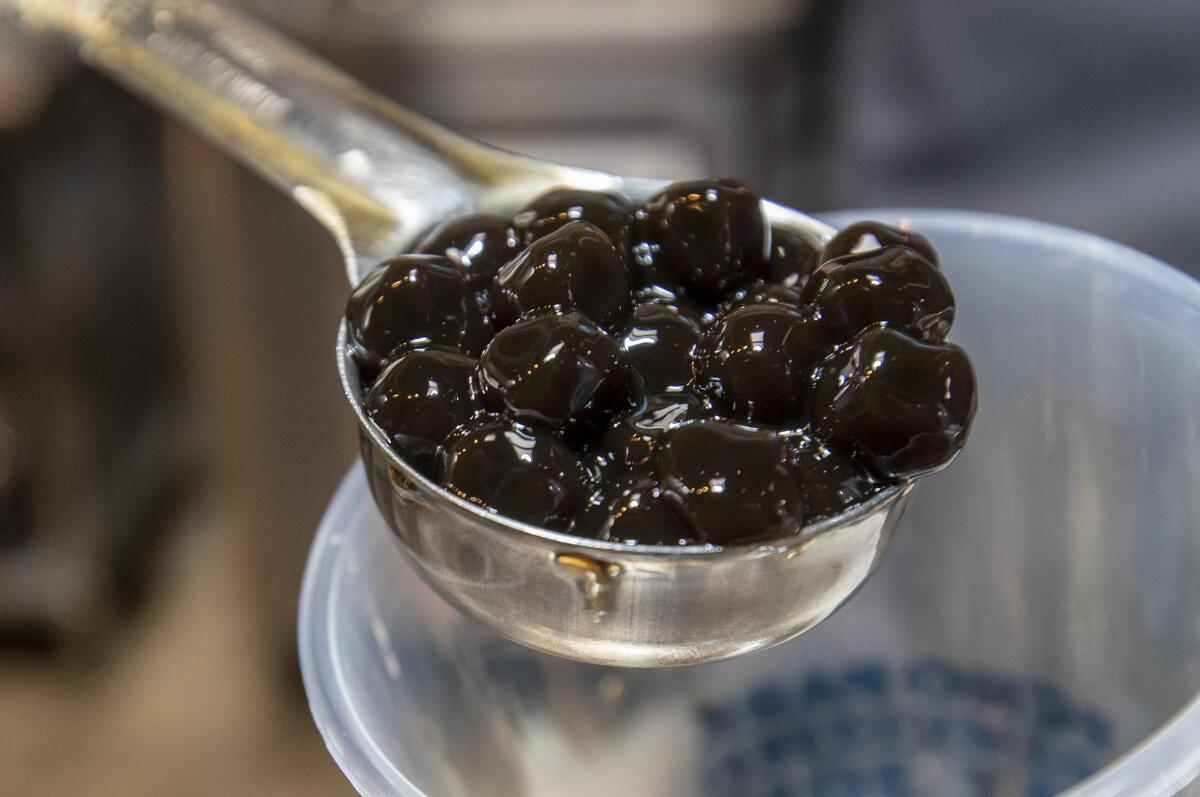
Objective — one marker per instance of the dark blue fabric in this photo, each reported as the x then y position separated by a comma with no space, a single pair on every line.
1081,113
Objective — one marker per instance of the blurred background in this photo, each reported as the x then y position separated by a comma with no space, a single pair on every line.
171,425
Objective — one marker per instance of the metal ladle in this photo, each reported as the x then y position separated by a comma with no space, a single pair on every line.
376,176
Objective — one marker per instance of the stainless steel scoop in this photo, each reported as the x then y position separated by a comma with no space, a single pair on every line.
376,176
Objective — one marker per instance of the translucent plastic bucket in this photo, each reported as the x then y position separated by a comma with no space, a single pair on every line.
1035,630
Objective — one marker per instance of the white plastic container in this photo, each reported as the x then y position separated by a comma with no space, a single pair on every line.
1035,631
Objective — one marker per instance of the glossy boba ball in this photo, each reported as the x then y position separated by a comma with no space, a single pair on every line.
905,406
516,471
629,441
735,482
759,292
560,372
707,235
659,343
652,285
633,508
481,243
573,267
648,275
850,237
418,401
704,316
754,365
893,287
612,213
413,301
792,260
830,479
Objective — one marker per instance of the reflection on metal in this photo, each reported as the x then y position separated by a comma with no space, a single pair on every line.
595,579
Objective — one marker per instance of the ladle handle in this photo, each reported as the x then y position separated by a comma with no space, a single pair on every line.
370,171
